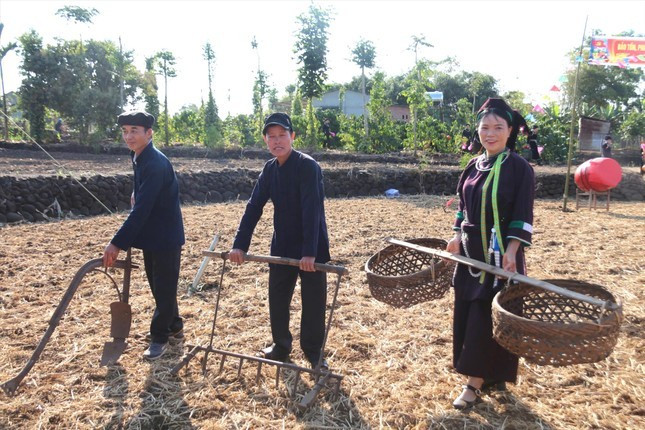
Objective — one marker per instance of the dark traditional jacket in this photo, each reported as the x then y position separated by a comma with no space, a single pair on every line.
297,192
155,221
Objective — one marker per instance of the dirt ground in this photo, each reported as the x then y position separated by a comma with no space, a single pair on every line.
396,362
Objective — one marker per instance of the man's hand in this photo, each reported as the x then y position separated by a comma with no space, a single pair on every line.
307,264
236,256
110,255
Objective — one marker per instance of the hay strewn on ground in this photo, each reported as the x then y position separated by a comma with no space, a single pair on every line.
397,363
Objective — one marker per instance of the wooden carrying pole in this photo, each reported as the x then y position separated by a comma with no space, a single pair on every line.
498,271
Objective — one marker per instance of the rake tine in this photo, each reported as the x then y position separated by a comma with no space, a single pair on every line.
221,364
295,383
204,361
257,375
239,367
277,376
336,391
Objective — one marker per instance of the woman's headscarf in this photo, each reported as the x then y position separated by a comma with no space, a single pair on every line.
512,117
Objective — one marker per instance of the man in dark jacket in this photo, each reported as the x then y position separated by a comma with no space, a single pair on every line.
154,225
294,183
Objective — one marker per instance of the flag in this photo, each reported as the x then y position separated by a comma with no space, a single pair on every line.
554,88
538,108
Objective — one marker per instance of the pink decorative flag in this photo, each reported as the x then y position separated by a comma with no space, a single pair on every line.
538,108
554,88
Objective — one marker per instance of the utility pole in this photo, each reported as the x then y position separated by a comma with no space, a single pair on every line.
573,115
121,71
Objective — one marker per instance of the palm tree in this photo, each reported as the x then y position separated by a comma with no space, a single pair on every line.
363,55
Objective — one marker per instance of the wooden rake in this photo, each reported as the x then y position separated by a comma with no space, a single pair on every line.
323,377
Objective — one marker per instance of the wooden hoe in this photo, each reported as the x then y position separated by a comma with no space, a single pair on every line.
120,312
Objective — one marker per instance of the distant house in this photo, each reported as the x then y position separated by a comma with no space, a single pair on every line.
400,112
352,103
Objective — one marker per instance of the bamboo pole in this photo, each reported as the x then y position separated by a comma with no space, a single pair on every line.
573,114
498,271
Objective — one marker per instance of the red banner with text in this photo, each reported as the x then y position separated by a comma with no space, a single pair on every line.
617,51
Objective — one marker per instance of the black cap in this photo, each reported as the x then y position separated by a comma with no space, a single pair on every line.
278,118
140,118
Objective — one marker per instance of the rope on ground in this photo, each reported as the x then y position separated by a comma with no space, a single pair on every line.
56,162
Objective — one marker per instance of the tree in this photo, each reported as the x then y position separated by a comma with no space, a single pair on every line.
363,55
414,90
212,123
86,90
37,71
165,62
150,89
4,50
311,51
77,14
188,124
384,135
415,94
480,87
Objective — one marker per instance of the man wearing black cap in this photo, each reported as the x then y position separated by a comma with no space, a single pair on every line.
294,183
154,225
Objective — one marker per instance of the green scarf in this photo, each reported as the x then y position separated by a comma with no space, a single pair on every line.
494,177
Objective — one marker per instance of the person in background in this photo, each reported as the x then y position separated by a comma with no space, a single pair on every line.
154,225
533,144
466,135
493,224
294,183
326,129
58,128
605,149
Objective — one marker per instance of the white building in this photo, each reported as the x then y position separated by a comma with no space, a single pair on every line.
352,102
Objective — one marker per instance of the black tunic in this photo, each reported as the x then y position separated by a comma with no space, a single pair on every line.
475,353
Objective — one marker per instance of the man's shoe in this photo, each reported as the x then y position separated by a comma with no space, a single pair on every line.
177,336
324,366
273,353
155,350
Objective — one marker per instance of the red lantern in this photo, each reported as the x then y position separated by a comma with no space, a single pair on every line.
598,174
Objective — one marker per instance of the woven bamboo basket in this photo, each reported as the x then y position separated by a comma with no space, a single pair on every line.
403,277
547,328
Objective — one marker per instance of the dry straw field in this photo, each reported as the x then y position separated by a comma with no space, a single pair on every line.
396,362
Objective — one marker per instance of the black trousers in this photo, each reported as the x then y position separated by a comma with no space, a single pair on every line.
313,290
162,270
475,352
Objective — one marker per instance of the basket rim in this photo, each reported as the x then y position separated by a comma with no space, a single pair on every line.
438,266
612,319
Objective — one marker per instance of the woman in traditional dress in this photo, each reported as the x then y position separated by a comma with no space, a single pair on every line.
493,225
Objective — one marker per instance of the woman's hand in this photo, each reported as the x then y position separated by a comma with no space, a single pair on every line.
509,262
453,244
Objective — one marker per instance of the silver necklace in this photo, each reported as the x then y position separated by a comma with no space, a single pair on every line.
483,157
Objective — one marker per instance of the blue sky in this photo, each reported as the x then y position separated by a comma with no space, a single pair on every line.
521,43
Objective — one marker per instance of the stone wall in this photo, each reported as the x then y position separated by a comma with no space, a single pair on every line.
35,199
